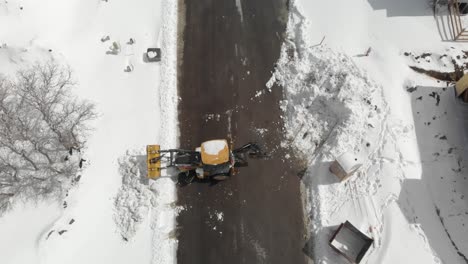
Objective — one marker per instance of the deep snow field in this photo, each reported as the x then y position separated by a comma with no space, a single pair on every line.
136,108
355,93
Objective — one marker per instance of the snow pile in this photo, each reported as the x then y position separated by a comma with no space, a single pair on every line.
331,105
152,54
134,198
163,224
171,32
331,108
164,213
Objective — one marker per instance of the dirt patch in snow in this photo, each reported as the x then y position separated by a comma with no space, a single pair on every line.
448,67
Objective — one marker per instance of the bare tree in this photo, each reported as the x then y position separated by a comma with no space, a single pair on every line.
41,124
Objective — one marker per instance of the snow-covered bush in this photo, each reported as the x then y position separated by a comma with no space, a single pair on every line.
42,124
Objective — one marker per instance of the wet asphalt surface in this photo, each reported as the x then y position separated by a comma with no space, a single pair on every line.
256,216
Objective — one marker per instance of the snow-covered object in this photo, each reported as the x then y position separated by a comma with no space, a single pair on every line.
215,152
152,54
330,105
213,147
345,165
349,162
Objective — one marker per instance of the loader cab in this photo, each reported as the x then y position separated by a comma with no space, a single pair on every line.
214,152
216,158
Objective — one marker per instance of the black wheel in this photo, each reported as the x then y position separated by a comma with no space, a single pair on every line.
186,177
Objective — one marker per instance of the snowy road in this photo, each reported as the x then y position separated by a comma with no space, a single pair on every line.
255,217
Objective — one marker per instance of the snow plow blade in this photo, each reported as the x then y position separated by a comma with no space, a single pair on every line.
153,161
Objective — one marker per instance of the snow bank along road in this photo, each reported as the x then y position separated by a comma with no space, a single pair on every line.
230,48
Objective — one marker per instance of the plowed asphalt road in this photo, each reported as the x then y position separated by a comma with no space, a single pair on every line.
230,48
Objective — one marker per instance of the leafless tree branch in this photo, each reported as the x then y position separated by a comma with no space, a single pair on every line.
40,122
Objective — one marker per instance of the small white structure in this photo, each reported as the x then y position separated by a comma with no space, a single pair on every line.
345,165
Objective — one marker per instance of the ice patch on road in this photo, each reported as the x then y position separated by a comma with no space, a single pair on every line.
163,223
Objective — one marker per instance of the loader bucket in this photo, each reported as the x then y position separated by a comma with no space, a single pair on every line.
153,161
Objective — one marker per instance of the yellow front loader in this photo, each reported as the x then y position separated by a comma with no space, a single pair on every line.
212,160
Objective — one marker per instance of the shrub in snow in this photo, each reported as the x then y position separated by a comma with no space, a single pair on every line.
134,197
41,124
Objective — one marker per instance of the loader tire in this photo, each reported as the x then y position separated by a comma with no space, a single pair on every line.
186,177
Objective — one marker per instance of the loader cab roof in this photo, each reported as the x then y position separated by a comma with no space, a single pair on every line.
214,152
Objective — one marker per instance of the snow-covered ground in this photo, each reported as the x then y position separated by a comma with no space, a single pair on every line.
355,93
99,223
